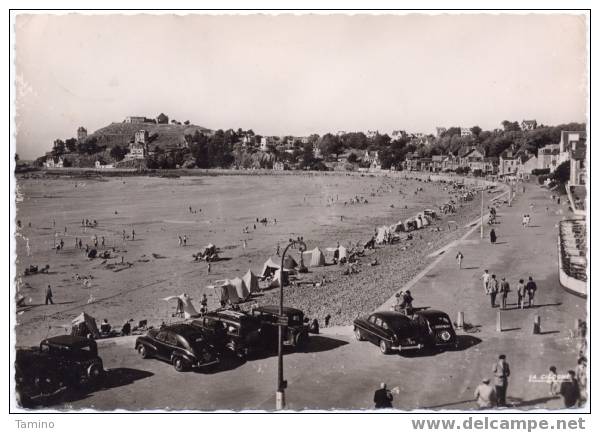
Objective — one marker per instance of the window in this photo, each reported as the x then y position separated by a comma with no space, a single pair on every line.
379,322
162,336
372,319
171,339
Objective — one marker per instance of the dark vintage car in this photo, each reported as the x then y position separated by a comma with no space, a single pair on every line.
237,332
58,363
183,345
390,330
295,333
437,328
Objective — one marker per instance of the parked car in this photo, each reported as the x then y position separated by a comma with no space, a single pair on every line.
183,345
390,330
295,333
56,364
235,331
437,328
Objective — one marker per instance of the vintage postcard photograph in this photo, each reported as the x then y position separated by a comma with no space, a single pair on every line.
268,211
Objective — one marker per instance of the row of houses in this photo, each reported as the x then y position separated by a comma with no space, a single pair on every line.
511,162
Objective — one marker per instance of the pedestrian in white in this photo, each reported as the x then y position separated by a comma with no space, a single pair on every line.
486,279
459,259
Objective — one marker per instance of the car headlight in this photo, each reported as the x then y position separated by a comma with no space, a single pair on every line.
445,336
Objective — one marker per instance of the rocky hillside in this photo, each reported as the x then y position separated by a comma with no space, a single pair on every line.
165,136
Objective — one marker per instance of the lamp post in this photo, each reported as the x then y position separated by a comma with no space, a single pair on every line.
481,230
281,384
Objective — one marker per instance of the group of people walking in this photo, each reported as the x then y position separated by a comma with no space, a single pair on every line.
492,287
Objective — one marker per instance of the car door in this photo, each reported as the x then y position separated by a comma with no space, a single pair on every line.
372,333
162,350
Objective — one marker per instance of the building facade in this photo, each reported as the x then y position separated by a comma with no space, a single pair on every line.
528,125
81,134
548,157
141,136
135,119
162,119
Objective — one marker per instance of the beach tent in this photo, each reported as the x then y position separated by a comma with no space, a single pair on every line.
339,253
269,268
251,281
424,219
419,222
240,288
83,325
189,310
398,227
277,278
381,234
229,292
317,258
289,262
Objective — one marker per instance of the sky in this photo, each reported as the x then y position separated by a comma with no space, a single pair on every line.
296,75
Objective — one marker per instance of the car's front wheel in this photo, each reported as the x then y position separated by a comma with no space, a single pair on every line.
300,341
142,351
358,334
95,373
384,346
180,364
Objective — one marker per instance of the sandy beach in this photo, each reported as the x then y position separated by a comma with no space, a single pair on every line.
141,271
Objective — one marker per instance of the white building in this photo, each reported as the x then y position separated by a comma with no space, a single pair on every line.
50,163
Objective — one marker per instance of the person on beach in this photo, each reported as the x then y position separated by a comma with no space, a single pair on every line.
208,268
501,372
277,251
493,290
493,236
49,295
486,279
124,235
459,259
485,395
521,294
102,241
132,234
504,289
179,240
581,376
80,244
184,240
531,288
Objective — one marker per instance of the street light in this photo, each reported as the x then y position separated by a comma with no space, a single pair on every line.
281,384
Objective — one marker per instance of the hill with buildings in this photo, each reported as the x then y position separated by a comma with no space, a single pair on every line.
165,136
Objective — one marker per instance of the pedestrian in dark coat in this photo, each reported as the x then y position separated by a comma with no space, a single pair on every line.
531,288
504,289
493,236
493,290
569,389
49,295
501,372
383,397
